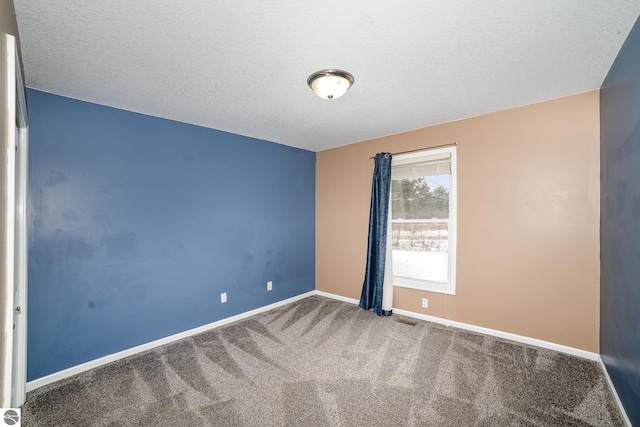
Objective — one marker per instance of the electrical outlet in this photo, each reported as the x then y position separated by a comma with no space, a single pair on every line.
269,285
223,297
425,303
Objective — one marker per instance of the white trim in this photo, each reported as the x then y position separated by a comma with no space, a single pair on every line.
423,285
420,221
615,393
431,152
509,336
9,227
60,375
338,297
500,334
453,218
57,376
19,386
448,287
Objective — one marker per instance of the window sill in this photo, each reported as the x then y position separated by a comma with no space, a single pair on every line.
424,285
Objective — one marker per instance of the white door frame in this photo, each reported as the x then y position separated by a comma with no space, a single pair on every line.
13,285
19,389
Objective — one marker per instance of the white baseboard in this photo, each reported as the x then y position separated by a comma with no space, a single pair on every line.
338,297
479,329
506,335
615,393
57,376
60,375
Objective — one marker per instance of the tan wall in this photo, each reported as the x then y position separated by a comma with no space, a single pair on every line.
8,23
8,18
528,220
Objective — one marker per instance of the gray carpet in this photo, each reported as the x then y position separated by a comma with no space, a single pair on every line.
320,362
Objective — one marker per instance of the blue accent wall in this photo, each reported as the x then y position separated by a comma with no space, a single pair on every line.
138,224
620,224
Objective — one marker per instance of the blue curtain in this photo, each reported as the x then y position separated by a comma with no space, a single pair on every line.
371,297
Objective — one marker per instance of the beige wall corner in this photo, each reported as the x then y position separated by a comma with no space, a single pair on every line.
528,220
8,23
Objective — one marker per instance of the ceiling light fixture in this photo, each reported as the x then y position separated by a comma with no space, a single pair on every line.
330,84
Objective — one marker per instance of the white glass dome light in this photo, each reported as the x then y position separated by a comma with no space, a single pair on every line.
330,84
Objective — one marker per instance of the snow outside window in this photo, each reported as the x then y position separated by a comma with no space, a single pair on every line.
423,220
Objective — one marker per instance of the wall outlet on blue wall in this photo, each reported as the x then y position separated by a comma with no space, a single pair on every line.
269,285
223,297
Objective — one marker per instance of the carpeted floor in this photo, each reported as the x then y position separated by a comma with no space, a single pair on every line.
320,362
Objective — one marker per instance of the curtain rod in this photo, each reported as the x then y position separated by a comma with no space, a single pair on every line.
420,149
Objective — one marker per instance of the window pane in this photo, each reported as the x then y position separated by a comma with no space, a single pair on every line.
425,197
420,250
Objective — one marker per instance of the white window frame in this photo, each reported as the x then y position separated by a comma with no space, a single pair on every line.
448,287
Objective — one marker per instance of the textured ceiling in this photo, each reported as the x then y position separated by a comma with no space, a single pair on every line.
242,66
